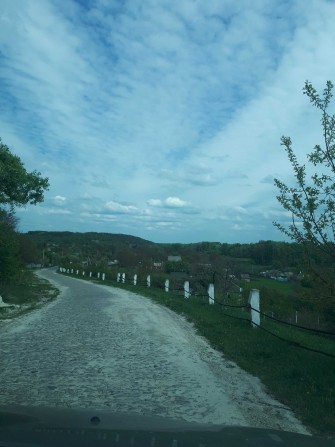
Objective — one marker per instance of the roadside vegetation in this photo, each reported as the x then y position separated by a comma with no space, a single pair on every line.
20,290
29,292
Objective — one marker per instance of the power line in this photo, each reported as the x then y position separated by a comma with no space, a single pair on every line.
291,342
318,331
295,343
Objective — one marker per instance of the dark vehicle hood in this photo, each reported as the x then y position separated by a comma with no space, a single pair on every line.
35,426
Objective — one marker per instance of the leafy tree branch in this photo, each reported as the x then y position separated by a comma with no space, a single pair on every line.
311,202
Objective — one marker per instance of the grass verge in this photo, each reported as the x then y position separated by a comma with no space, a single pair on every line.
27,293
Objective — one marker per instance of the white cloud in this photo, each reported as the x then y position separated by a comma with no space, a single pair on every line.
117,208
184,102
169,202
59,200
155,202
175,202
60,211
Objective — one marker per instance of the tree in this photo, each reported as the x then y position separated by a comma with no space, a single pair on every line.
8,219
311,201
17,186
9,253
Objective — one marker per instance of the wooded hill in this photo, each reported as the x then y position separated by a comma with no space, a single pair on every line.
97,248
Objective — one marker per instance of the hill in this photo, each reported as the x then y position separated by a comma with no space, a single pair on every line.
68,237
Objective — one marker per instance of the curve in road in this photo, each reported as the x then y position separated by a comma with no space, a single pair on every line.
100,347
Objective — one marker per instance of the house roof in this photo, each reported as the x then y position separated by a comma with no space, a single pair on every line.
174,258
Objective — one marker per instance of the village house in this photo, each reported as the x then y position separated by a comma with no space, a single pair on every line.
245,277
174,258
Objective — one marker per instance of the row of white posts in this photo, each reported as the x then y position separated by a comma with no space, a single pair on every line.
121,277
76,272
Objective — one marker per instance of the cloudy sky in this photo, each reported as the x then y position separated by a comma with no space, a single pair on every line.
162,118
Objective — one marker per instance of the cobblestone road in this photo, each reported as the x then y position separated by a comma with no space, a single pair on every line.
104,348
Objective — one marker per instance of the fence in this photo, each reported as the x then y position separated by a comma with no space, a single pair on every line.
254,298
253,305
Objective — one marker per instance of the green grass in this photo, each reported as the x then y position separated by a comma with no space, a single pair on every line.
28,292
300,379
284,288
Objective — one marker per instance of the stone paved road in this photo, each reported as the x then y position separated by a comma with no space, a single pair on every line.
104,348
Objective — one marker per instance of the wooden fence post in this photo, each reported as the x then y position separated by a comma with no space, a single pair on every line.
211,296
254,304
187,289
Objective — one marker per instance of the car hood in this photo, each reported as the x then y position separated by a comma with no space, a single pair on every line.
36,426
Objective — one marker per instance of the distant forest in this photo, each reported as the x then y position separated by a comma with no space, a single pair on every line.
130,251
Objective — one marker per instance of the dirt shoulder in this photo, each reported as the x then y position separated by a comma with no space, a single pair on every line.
29,292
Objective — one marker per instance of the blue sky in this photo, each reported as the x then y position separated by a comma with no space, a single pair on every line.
162,119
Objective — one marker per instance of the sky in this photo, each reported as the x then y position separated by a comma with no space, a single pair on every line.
162,118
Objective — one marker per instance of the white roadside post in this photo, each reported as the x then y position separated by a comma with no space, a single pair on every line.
90,274
211,296
71,271
68,271
103,276
148,281
254,304
118,277
83,273
98,275
77,272
167,285
187,289
135,279
123,278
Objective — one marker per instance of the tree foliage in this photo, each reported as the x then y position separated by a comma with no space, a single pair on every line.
311,202
18,186
9,253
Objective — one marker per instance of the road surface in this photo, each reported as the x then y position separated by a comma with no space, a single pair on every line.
104,348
